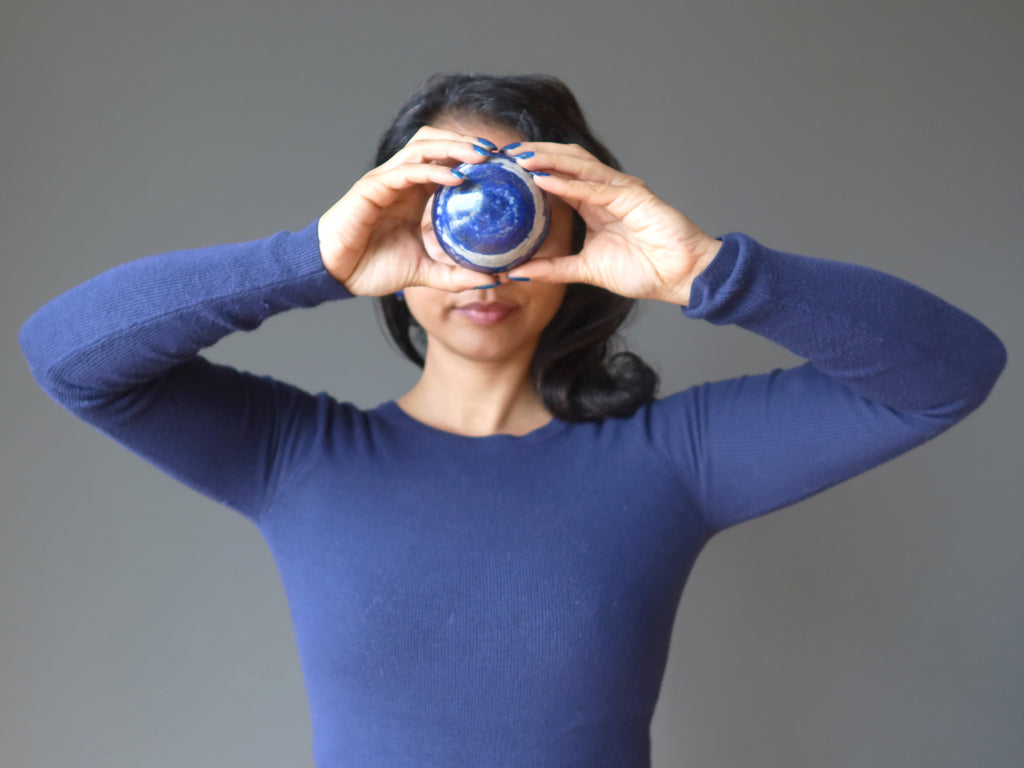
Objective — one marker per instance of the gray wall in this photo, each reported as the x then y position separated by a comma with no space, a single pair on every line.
879,624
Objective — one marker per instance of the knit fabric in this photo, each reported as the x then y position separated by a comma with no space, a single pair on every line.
501,601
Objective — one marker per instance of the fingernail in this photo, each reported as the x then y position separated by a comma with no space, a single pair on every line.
513,145
489,285
459,174
520,279
481,150
540,173
489,144
523,155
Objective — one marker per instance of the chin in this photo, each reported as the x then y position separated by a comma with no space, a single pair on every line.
490,348
490,353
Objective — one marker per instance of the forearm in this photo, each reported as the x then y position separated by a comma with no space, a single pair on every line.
885,339
137,321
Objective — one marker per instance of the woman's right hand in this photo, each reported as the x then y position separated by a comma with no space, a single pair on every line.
371,240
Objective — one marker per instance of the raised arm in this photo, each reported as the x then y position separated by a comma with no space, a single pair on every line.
890,365
122,350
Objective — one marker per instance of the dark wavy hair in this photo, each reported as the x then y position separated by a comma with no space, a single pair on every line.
575,369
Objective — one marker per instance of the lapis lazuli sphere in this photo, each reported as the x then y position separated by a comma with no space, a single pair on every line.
494,220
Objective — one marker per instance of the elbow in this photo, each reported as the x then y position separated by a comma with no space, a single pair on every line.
988,371
37,345
42,345
38,353
975,379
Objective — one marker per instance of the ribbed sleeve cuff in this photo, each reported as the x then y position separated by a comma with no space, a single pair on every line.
298,253
735,286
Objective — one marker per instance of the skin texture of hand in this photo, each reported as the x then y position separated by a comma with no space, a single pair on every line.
637,245
370,240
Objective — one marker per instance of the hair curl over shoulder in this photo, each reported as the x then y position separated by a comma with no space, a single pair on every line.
575,369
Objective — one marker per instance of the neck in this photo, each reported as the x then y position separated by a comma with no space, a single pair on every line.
476,398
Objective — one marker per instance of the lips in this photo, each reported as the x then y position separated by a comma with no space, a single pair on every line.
485,312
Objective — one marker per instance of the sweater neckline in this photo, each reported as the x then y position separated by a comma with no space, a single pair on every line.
392,412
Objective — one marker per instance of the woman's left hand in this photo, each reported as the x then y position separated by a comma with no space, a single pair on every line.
637,245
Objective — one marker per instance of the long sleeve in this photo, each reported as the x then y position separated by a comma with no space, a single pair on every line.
890,366
121,351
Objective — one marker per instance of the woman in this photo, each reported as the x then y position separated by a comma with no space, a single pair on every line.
486,571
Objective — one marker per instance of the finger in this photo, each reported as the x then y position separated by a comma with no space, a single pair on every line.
447,151
618,199
446,277
429,132
558,269
549,147
470,148
586,168
383,186
354,217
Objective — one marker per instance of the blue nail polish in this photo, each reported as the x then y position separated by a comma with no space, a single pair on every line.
520,279
513,145
523,155
489,144
481,150
540,173
458,174
482,287
400,295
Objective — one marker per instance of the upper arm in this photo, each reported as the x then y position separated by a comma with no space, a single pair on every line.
230,435
753,444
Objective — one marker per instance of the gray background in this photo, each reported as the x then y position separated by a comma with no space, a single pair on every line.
879,624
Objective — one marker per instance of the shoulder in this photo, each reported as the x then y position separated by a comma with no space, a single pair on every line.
659,429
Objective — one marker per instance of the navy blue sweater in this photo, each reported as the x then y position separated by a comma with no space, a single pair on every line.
518,614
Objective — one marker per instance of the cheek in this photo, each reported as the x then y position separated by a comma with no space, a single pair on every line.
424,304
550,302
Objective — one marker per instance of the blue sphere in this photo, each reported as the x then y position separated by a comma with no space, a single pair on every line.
494,220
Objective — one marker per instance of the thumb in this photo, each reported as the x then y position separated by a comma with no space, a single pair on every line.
435,274
558,269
